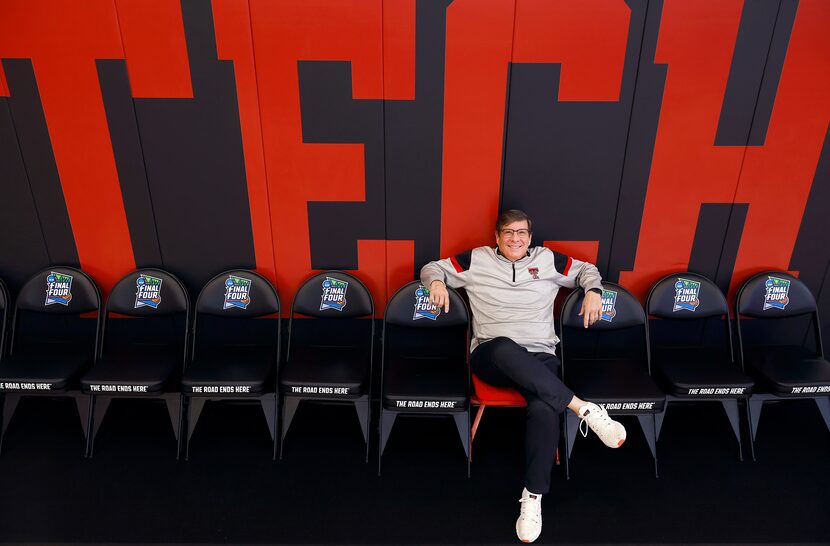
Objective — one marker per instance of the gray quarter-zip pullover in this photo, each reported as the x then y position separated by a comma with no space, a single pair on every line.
513,299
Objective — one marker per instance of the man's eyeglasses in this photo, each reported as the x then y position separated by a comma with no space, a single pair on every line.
520,233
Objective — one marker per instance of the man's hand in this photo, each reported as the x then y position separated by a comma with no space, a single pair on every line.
591,308
438,295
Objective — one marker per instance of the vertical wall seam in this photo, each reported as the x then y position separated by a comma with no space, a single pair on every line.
628,134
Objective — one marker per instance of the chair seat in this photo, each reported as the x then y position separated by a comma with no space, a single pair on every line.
326,371
489,395
136,370
791,371
425,385
620,385
230,371
48,367
700,373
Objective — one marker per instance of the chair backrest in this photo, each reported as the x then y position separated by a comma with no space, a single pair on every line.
413,326
620,332
237,307
61,291
157,308
238,293
690,311
333,294
783,309
335,310
410,307
147,293
686,296
49,308
774,294
620,309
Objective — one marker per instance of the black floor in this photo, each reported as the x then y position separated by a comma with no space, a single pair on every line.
134,491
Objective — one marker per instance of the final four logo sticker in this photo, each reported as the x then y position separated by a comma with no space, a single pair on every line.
609,305
237,292
775,295
148,291
58,288
334,294
686,295
423,308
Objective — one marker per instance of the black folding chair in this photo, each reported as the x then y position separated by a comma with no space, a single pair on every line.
52,343
236,347
143,347
691,346
609,363
425,367
330,354
776,313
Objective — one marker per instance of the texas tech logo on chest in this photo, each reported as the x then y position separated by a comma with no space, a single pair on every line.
58,289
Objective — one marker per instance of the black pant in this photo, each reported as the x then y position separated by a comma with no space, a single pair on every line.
502,362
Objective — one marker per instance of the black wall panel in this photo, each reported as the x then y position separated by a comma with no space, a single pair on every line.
195,164
36,149
414,141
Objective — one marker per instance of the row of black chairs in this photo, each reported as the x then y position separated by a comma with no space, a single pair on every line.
637,361
139,347
145,341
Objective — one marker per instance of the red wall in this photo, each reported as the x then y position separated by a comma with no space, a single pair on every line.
374,135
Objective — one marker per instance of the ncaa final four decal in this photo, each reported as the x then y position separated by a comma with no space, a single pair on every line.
334,294
58,288
423,308
775,295
237,292
686,295
148,291
609,305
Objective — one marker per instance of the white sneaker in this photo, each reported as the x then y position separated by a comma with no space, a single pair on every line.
529,524
611,432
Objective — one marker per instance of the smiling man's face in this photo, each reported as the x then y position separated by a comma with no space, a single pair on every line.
513,240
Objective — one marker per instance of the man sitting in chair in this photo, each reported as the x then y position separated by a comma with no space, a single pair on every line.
511,289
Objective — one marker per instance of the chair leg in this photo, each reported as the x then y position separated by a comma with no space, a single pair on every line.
755,407
100,405
180,427
571,426
730,406
565,433
82,403
90,412
268,403
361,406
823,404
749,423
647,423
10,402
387,421
462,423
289,409
173,408
658,421
476,422
194,410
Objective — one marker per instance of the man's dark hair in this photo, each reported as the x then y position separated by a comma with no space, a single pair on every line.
513,215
